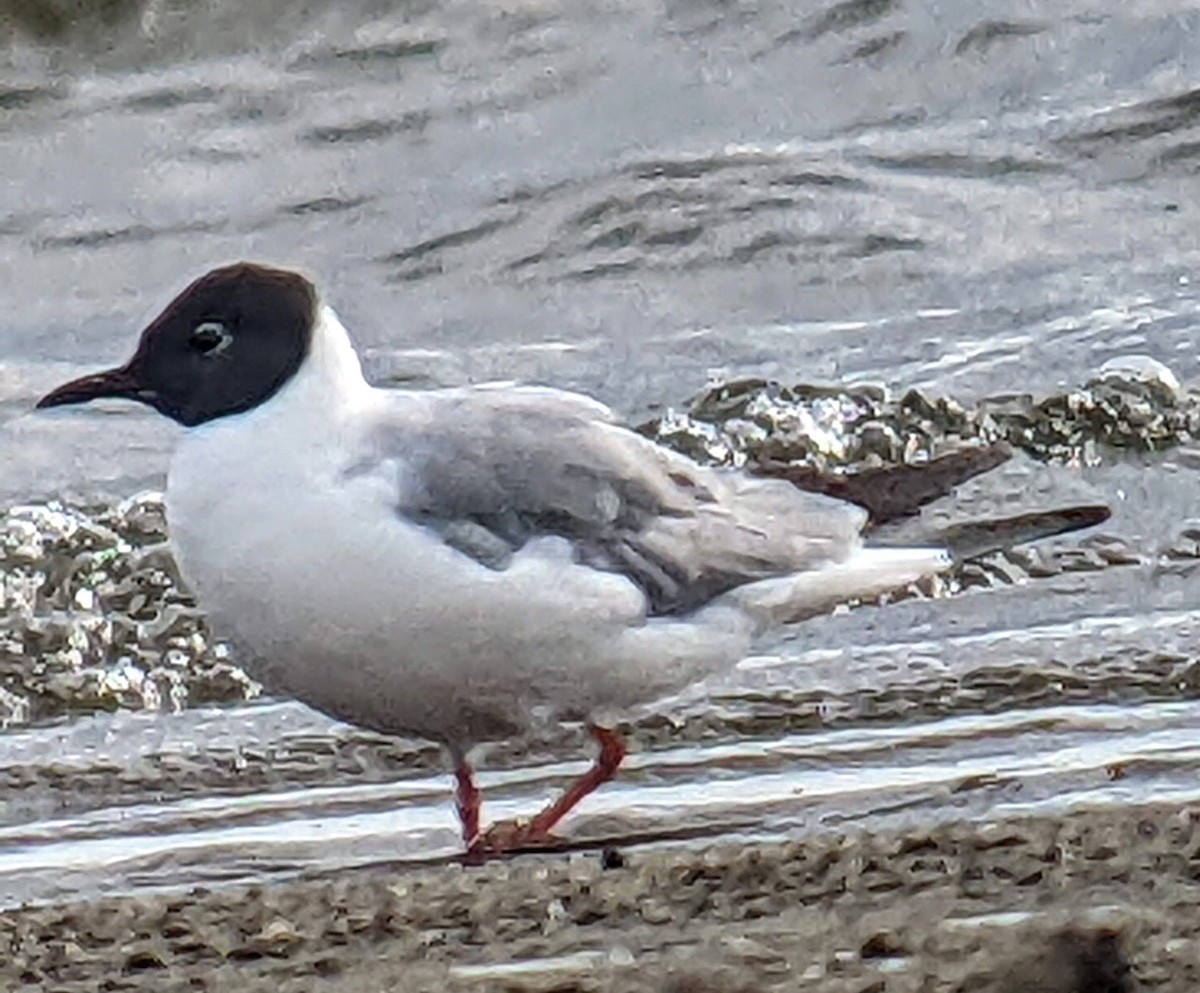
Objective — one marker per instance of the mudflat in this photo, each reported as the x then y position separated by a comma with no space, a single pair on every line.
1097,900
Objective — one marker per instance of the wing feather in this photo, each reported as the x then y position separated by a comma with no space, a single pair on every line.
490,468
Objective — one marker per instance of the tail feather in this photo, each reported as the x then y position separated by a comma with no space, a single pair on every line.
868,573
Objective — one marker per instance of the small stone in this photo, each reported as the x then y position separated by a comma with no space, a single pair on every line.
1144,371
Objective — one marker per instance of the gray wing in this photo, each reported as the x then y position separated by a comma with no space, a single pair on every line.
491,468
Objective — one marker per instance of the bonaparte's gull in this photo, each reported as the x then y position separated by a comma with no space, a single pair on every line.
447,563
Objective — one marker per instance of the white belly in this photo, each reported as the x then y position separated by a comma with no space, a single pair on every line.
331,597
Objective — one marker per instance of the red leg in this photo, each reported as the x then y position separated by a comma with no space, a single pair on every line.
612,754
467,795
507,836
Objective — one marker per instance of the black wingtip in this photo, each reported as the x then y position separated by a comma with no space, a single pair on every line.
890,493
966,541
1078,518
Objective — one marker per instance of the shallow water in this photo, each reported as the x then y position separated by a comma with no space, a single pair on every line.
619,197
627,198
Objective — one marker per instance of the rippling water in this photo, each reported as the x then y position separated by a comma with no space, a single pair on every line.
627,198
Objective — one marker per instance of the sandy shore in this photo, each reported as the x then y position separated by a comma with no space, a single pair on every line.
1098,902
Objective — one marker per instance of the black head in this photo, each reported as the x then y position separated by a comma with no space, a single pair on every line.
225,344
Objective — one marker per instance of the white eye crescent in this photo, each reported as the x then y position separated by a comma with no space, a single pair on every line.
210,337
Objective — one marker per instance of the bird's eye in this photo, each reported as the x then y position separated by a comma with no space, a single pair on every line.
210,338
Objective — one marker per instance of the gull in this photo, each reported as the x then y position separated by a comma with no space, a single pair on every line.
455,564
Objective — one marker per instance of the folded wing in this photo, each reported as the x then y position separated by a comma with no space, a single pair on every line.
490,468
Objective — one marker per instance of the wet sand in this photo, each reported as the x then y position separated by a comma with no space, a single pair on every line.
1099,900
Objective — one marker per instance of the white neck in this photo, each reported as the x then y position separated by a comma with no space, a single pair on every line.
293,447
330,375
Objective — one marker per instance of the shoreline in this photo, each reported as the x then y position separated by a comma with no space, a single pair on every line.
1066,904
